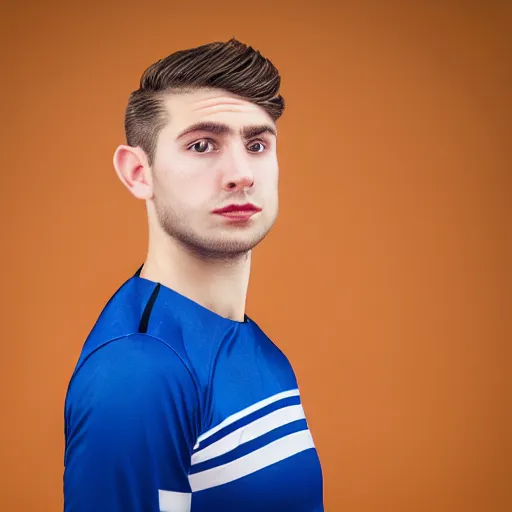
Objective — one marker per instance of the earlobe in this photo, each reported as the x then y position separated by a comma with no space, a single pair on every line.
132,168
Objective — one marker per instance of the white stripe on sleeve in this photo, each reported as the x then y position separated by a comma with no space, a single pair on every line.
270,454
249,432
170,501
245,412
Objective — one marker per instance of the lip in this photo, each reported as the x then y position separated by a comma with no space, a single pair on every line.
238,209
238,212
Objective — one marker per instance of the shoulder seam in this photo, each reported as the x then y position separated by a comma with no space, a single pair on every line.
189,371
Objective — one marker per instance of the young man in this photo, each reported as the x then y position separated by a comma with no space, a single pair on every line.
179,402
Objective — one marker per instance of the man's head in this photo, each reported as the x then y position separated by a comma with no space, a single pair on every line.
201,135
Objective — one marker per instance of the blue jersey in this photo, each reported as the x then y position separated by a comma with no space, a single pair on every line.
173,408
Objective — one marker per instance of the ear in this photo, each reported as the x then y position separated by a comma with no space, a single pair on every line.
132,168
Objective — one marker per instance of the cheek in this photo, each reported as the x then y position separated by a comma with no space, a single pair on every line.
269,177
184,182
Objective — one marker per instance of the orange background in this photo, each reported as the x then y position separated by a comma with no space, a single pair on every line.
384,280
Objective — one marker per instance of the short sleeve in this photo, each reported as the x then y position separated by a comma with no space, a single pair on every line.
131,423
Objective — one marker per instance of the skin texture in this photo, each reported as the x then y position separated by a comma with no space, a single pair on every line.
200,254
202,171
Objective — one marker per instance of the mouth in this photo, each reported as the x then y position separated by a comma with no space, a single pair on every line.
238,212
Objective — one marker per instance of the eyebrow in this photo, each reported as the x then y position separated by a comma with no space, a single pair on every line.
222,129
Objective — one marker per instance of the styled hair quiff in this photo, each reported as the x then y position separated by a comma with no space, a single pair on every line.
231,66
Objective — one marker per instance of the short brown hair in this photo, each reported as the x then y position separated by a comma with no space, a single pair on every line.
231,66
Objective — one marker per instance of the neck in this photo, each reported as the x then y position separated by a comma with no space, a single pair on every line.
218,285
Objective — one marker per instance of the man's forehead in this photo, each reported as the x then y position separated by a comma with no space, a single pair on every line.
185,108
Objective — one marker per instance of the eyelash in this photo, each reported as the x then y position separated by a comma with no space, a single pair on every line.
256,141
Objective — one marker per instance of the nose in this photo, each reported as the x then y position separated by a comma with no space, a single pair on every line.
236,170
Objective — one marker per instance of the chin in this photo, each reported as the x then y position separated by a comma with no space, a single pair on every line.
235,245
228,242
229,245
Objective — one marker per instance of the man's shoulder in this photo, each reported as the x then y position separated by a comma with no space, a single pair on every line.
131,356
133,384
124,321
